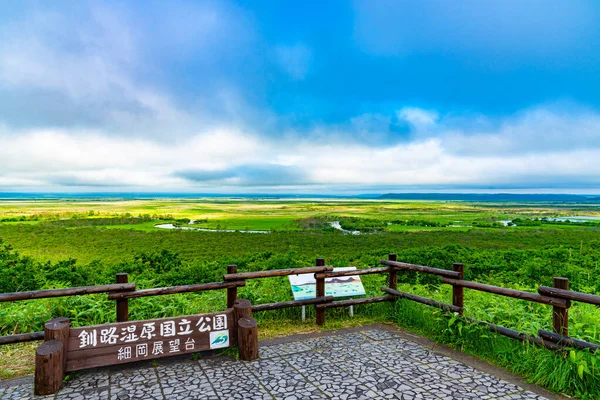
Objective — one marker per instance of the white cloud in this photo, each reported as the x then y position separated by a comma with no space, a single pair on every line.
80,158
99,65
513,154
546,129
418,117
93,63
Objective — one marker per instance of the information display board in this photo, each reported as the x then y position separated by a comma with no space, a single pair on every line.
304,285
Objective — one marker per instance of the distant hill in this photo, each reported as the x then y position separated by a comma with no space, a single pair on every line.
494,197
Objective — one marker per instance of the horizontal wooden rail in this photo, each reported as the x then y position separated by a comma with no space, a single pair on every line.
422,300
517,294
291,303
354,302
23,337
175,289
76,291
568,341
568,294
275,272
363,271
421,268
521,336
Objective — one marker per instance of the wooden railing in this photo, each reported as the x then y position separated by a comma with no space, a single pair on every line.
76,291
122,291
45,294
559,297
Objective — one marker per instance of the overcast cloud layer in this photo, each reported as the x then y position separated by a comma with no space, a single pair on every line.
300,97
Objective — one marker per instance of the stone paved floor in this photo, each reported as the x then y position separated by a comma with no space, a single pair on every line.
368,364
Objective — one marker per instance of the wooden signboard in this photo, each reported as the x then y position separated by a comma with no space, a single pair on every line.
67,349
124,342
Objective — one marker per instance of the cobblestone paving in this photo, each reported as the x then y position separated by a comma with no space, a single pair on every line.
371,364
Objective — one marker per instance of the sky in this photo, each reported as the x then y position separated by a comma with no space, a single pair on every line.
304,96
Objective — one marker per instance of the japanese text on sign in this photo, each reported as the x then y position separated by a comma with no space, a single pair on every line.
158,338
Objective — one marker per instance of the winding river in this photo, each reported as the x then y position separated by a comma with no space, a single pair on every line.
188,228
338,226
334,224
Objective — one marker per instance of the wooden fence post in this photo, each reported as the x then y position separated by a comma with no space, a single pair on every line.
242,308
50,357
458,292
393,275
231,292
122,304
49,367
246,330
247,339
560,316
58,329
320,292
